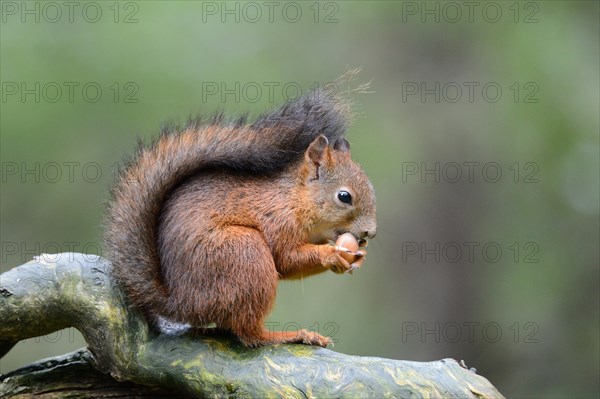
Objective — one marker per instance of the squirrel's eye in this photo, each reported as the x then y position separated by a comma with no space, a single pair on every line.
345,197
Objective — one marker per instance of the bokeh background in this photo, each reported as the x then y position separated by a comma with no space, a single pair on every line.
480,134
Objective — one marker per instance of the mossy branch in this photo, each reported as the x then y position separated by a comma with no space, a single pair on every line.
53,292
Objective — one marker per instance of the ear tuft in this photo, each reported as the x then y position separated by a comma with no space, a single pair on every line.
317,149
342,144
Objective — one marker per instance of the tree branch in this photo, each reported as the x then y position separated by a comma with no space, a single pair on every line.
53,292
73,376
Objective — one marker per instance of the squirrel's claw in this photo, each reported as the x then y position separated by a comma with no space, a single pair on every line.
338,264
362,255
342,249
341,266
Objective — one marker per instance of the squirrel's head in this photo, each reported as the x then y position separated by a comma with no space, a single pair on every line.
341,196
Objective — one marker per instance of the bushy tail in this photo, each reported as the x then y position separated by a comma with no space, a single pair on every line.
269,144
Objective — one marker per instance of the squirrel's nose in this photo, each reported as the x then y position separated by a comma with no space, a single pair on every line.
371,233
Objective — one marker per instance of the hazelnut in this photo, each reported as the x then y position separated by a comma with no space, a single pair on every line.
347,241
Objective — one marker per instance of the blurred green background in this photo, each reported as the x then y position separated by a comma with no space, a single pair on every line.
499,270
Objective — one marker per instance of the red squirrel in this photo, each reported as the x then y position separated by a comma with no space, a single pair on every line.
204,221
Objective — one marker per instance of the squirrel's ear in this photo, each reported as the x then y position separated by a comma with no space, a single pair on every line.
316,155
317,150
341,144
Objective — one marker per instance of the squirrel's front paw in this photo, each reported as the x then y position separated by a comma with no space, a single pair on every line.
342,260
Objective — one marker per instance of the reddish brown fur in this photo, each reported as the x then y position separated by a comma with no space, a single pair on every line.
197,236
221,263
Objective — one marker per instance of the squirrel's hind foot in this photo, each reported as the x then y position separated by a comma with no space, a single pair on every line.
285,337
